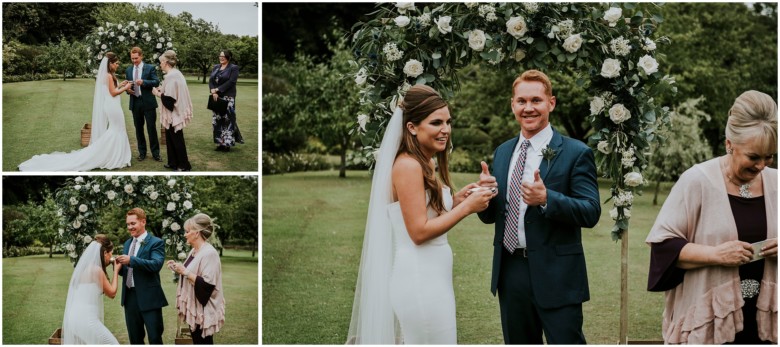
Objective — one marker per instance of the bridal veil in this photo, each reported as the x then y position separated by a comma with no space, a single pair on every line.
373,320
85,299
99,117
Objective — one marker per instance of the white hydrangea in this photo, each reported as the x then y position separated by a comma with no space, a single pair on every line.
424,19
392,52
77,187
134,178
620,46
485,10
624,198
628,158
166,222
531,7
566,28
70,247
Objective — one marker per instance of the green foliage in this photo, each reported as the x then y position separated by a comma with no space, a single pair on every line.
232,202
43,23
684,145
720,50
200,42
66,58
278,163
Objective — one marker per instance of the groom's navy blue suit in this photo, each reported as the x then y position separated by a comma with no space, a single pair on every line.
546,289
144,109
143,304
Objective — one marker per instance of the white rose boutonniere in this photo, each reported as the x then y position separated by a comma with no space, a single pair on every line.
477,39
516,27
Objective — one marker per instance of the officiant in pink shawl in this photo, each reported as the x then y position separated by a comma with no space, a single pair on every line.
199,297
176,112
719,287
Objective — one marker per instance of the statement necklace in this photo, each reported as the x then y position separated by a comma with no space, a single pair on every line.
744,189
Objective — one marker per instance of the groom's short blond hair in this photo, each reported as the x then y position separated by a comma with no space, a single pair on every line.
137,50
138,212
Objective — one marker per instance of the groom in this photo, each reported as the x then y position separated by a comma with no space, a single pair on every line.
142,294
547,191
143,104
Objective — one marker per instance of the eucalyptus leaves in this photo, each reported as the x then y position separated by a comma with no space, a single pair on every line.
610,46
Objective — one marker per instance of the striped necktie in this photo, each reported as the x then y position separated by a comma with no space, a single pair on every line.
130,283
515,198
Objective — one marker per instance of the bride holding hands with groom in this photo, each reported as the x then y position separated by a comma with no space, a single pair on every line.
142,293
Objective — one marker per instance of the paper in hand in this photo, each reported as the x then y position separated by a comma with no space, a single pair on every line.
757,249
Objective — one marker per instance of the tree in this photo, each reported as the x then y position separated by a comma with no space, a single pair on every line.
719,51
281,133
244,50
232,202
42,23
65,57
199,44
683,145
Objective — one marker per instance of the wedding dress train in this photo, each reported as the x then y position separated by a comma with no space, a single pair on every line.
108,148
421,290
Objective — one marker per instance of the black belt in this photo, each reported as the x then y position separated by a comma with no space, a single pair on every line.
521,252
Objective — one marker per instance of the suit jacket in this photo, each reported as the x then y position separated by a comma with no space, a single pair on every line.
554,242
227,80
149,76
146,265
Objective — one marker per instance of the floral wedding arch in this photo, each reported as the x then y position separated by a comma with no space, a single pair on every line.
119,38
81,199
610,46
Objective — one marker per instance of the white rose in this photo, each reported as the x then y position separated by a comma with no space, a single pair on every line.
110,195
175,226
362,120
633,179
70,247
154,195
159,45
87,239
116,182
648,64
146,25
596,105
171,183
518,55
361,76
167,241
171,206
156,26
175,197
443,23
61,230
73,201
413,68
77,187
404,6
148,38
613,15
516,27
109,177
648,45
613,213
187,195
83,208
73,255
603,147
627,212
129,188
179,247
610,68
121,38
76,224
159,31
477,39
471,4
572,43
402,21
132,34
187,204
96,188
168,45
182,256
619,113
166,222
154,57
79,179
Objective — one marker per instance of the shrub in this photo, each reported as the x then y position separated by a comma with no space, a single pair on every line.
11,251
275,163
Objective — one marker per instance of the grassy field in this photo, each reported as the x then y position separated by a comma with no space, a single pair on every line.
35,289
47,116
313,226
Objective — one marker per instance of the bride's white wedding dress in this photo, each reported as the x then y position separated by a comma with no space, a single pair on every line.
108,148
421,290
83,319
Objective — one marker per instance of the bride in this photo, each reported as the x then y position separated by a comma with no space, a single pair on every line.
83,321
108,148
404,292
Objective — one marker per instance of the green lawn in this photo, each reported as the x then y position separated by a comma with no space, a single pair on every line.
313,226
35,289
47,116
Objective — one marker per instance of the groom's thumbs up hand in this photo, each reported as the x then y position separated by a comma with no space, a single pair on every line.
534,193
485,178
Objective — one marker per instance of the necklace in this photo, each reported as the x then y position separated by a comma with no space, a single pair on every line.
744,189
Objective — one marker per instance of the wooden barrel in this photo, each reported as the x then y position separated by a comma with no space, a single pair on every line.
86,133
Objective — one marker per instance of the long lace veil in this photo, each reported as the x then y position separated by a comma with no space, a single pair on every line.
99,116
373,320
84,298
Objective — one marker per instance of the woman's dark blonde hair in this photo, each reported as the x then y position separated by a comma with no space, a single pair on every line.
169,57
106,246
201,223
753,116
420,101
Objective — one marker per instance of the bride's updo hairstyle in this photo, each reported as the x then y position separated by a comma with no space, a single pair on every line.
420,101
201,223
112,58
753,117
169,57
106,246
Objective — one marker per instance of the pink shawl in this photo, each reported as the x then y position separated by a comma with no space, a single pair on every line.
211,316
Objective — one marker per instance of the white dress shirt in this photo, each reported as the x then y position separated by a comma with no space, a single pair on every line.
140,69
533,160
139,239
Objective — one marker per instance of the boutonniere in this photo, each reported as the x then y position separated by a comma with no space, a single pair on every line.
142,242
548,154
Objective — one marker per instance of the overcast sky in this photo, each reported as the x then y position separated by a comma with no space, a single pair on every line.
238,18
